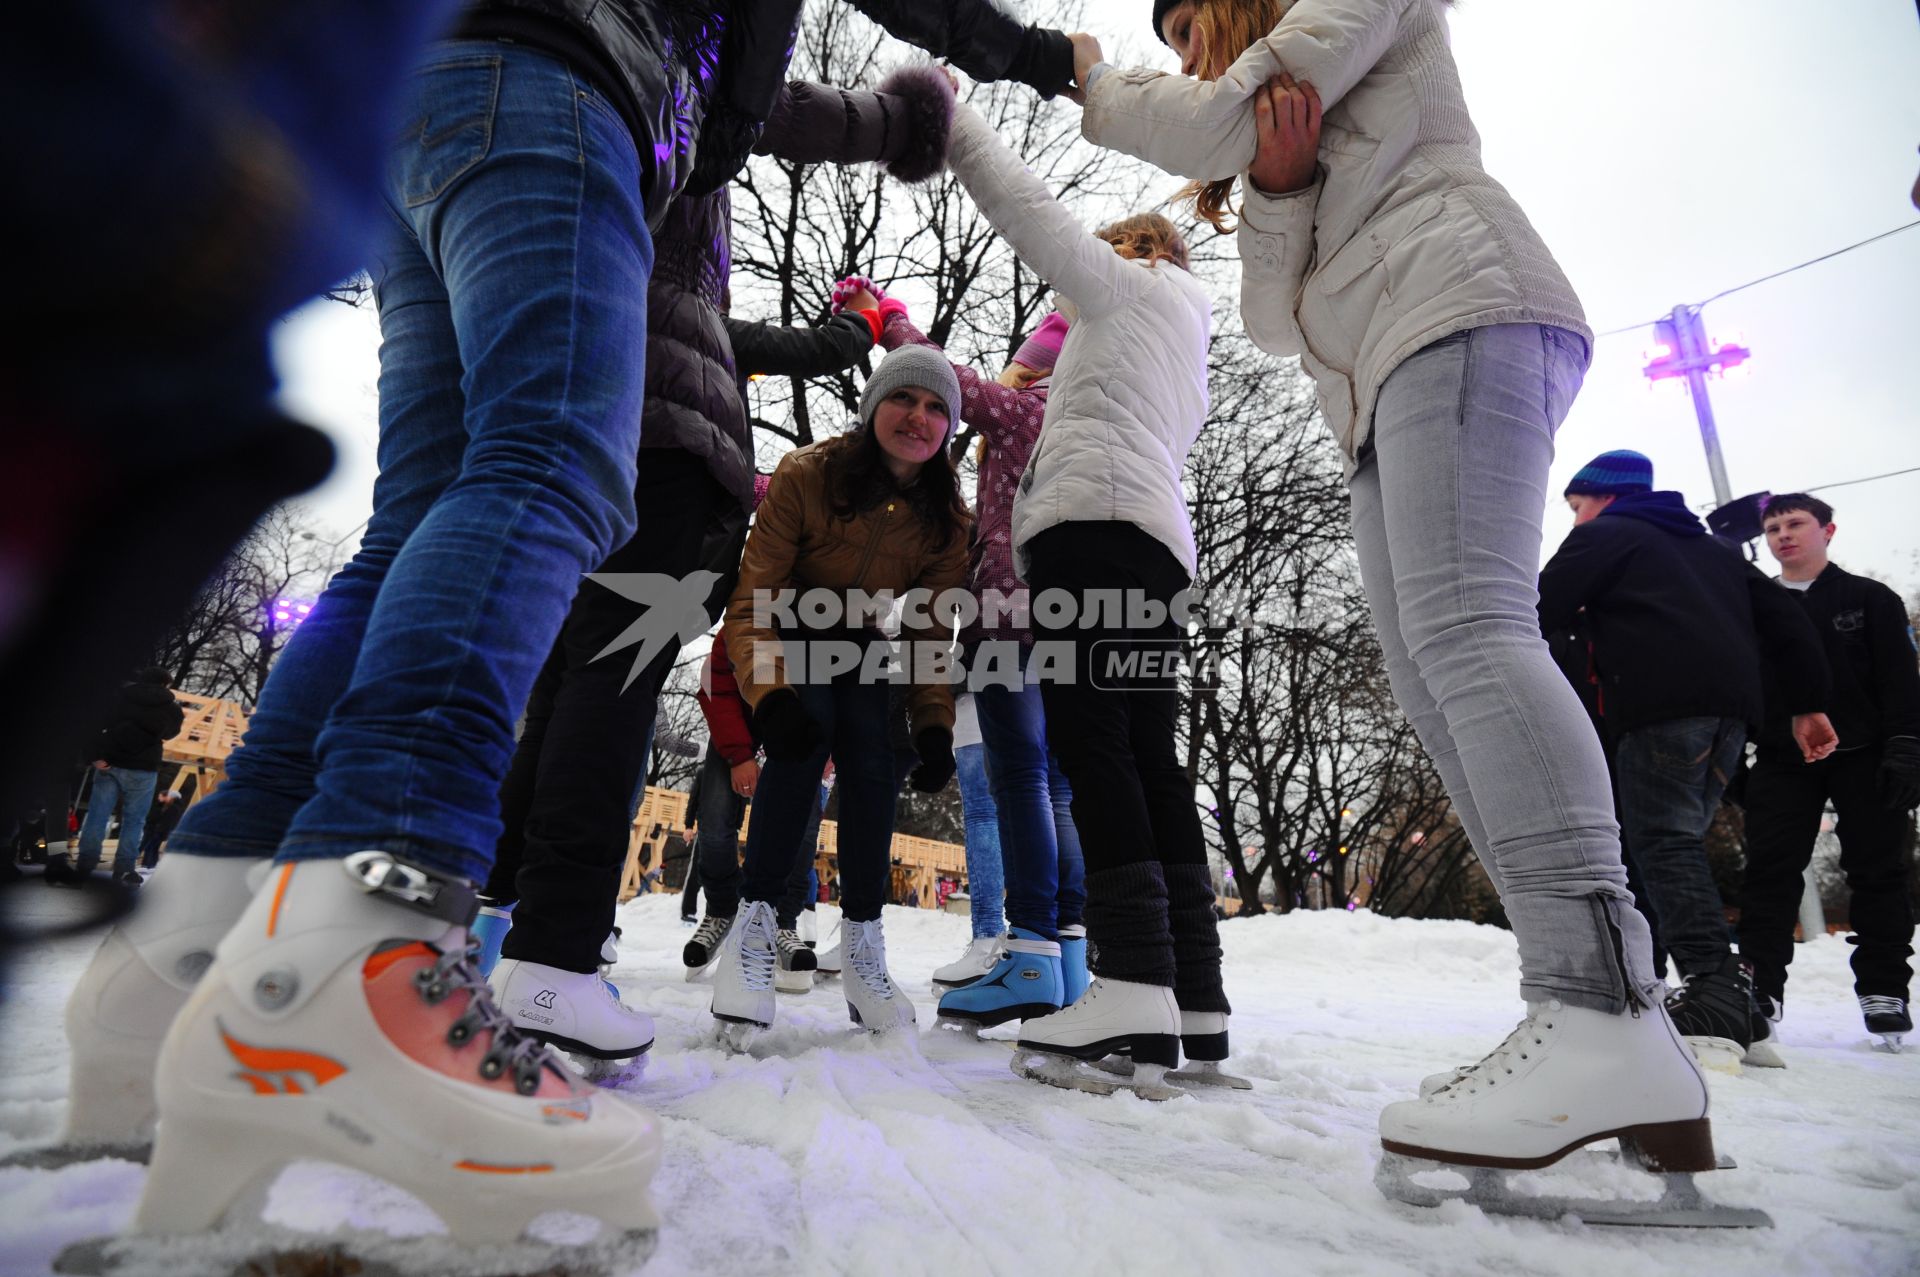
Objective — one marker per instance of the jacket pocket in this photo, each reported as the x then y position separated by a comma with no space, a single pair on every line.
453,130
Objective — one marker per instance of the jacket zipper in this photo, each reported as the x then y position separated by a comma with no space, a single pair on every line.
873,543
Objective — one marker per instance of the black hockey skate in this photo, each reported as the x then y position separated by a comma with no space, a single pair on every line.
1888,1018
1714,1012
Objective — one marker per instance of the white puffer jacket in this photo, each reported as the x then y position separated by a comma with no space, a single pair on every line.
1130,388
1401,240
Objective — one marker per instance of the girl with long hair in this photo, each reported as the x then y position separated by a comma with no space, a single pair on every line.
877,509
1446,345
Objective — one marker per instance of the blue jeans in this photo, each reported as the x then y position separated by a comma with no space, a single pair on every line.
1671,776
1046,879
511,286
986,886
132,791
1446,518
853,719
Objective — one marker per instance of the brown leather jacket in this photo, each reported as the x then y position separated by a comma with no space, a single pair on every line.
798,542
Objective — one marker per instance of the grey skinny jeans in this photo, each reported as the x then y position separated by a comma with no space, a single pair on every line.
1446,516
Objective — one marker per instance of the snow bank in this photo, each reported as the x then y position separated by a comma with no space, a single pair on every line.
828,1151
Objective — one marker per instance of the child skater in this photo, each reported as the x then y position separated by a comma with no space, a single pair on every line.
1447,346
876,509
1100,508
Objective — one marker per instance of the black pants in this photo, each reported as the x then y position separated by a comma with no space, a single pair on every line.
568,800
1149,890
1785,800
714,864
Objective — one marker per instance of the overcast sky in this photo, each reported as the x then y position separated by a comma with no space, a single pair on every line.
1666,149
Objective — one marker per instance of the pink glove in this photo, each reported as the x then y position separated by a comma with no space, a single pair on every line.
851,285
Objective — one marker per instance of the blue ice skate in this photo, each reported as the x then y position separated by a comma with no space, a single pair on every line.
1026,982
1073,963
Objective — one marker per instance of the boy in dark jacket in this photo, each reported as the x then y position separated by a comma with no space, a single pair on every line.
126,767
1680,628
1873,780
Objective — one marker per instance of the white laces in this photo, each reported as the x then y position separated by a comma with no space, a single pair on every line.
1519,1045
759,938
867,954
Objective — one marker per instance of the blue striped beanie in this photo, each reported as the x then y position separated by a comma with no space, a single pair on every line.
1613,474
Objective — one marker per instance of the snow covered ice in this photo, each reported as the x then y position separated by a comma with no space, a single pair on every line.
827,1150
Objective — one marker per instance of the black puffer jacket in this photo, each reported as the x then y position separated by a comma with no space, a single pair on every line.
695,383
698,79
146,718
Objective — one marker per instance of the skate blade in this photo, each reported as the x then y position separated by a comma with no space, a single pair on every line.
1722,1055
794,982
1763,1055
736,1037
1891,1043
1146,1081
613,1075
1680,1204
969,1029
268,1251
1207,1073
53,1157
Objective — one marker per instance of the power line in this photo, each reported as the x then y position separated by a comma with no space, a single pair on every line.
1848,483
1728,292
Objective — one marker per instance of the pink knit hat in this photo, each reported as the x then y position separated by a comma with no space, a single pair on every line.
1042,350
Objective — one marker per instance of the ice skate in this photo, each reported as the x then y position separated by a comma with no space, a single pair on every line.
874,1001
1024,984
704,948
609,958
808,927
119,1011
1567,1077
1203,1040
828,962
489,930
1763,1048
577,1012
743,978
981,956
795,972
343,1020
1888,1019
1713,1011
1113,1017
1073,964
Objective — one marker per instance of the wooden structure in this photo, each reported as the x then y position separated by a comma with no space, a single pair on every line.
212,731
918,863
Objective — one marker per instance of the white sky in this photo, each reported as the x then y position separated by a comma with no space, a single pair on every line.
1666,149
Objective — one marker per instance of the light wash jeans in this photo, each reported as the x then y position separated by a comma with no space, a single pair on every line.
132,792
1446,516
511,285
986,880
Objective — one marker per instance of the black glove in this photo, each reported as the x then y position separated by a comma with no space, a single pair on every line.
1900,772
782,724
934,745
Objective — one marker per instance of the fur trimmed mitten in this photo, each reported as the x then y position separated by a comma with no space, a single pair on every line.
929,99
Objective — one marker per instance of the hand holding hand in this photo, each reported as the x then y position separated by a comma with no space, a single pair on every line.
1815,736
1087,55
1286,119
861,300
847,290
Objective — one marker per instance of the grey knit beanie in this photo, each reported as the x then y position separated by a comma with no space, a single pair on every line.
921,366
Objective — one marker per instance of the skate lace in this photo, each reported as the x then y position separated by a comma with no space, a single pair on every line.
709,932
757,953
1499,1062
788,943
508,1048
1882,1004
867,955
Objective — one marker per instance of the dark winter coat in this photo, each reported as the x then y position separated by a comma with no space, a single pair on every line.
1869,648
1681,625
697,360
147,717
697,80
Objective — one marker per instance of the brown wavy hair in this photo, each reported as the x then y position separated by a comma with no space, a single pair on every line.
1226,29
1147,237
858,480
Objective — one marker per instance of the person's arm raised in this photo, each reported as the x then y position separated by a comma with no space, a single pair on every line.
1047,238
1204,129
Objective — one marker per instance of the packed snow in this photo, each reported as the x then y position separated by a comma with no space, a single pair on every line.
826,1150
